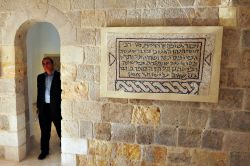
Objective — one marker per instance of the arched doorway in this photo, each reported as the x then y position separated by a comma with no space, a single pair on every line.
37,40
14,72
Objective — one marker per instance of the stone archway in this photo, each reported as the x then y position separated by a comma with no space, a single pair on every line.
14,71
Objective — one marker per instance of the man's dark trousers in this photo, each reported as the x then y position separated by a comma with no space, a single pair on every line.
45,121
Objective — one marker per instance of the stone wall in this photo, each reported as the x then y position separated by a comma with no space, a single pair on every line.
105,131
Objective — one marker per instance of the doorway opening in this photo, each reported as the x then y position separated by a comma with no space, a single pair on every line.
40,39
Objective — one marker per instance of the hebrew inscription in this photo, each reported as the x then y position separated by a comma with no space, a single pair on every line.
159,63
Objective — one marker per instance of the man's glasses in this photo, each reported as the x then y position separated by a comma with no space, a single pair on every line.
46,63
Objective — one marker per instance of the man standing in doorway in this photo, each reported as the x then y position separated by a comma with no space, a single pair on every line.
48,104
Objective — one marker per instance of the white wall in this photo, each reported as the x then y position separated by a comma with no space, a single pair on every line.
42,38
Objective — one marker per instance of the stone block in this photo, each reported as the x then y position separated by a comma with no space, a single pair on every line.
94,92
82,160
102,131
67,33
146,4
85,72
91,18
8,70
176,156
242,2
233,79
59,4
151,17
68,72
230,98
245,59
116,113
244,16
11,5
154,154
115,101
197,118
86,36
144,135
247,98
15,153
205,16
236,142
239,159
209,158
121,161
228,16
3,18
36,10
212,139
166,136
224,77
189,137
74,145
238,78
133,17
75,18
146,115
70,129
175,116
98,37
244,78
86,129
97,74
231,58
92,55
71,54
207,2
79,4
100,148
168,3
67,111
4,122
241,121
88,111
178,16
105,4
74,90
68,159
130,151
125,4
246,38
116,17
8,54
21,137
56,17
219,119
124,133
16,122
7,86
143,102
231,38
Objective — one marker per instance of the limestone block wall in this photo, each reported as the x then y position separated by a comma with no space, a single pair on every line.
106,131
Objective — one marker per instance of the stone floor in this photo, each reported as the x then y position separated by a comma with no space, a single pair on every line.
53,159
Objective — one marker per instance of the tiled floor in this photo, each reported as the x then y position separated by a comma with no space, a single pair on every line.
53,159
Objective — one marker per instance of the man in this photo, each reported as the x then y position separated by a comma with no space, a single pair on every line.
48,104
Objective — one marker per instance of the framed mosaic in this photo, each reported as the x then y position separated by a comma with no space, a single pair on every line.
161,63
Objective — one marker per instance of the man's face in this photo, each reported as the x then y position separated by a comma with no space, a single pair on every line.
47,65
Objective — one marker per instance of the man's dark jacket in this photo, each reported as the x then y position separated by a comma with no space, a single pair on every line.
55,95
